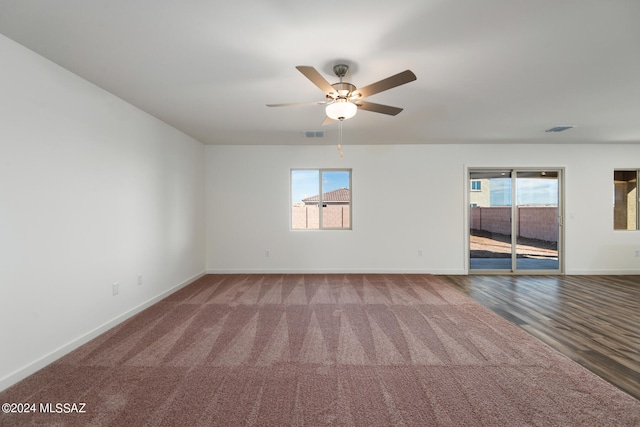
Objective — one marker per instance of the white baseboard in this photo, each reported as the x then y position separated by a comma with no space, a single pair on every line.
603,272
452,272
20,374
335,271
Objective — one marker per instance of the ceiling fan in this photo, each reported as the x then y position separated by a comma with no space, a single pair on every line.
344,99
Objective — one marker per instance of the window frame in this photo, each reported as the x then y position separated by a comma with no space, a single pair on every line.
321,171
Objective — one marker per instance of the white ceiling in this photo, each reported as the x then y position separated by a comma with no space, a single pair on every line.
488,70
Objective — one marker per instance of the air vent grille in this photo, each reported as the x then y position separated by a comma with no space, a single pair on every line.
560,128
314,133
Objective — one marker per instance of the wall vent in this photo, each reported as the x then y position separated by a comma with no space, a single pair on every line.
314,133
560,128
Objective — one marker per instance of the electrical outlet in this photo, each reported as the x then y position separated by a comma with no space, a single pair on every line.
637,252
116,288
420,252
139,279
267,253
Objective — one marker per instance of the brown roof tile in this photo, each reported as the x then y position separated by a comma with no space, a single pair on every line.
339,195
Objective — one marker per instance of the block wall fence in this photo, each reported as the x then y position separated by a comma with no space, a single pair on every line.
535,222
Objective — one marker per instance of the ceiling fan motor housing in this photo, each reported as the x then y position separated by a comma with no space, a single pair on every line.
343,90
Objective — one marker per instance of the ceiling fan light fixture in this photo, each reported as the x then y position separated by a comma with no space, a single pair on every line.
341,109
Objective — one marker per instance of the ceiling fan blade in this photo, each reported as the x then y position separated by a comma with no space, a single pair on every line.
378,108
297,104
327,121
385,84
317,79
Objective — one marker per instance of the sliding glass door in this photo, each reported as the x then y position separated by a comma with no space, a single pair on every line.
490,220
538,220
514,220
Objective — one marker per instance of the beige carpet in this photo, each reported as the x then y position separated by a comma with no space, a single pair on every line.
315,350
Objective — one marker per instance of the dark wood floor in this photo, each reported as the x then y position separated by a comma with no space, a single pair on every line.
594,320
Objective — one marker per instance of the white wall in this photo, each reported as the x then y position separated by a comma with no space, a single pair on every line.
405,198
92,191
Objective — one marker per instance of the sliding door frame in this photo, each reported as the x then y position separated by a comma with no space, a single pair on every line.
514,220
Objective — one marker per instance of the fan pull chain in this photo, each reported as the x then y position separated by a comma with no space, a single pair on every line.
340,140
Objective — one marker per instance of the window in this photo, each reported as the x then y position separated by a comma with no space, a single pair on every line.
625,201
476,186
321,199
